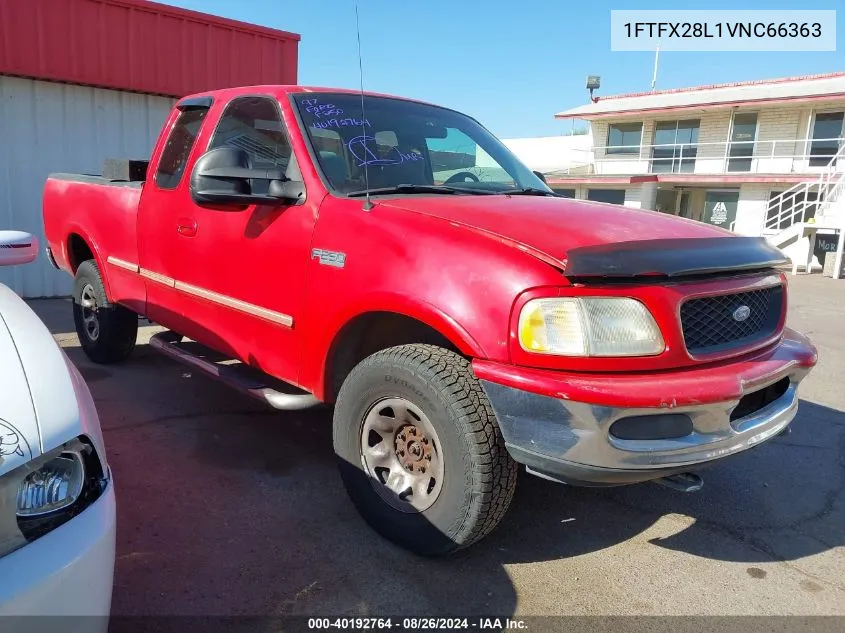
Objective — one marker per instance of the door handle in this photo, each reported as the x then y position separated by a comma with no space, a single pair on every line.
186,227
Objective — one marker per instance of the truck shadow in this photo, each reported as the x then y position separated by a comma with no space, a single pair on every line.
226,508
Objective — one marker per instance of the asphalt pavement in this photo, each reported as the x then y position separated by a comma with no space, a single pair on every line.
228,508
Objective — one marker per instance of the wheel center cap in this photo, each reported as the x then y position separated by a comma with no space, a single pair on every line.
413,449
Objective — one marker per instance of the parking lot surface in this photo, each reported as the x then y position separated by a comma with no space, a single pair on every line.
228,508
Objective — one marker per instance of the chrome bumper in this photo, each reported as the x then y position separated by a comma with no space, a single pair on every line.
571,441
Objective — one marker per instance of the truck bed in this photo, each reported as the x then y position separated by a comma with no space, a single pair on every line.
97,212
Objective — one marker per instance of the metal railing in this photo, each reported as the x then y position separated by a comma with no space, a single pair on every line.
794,204
758,156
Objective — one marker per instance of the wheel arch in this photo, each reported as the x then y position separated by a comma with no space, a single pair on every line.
370,331
79,247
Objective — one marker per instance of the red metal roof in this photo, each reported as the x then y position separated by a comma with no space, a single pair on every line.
140,46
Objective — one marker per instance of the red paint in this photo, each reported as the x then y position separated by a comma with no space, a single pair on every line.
140,46
464,265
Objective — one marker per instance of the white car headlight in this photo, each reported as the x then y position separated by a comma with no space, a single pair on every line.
589,326
49,491
53,486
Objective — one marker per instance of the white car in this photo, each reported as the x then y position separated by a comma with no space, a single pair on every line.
57,504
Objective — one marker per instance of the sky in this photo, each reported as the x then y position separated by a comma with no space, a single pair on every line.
510,64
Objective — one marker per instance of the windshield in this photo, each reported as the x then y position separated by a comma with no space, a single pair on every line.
401,142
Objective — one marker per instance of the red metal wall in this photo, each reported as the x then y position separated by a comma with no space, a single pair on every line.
140,46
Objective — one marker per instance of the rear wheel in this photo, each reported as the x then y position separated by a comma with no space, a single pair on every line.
106,331
420,450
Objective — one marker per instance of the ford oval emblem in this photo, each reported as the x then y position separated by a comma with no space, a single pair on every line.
741,313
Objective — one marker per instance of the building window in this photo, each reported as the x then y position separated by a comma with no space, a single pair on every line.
675,146
569,193
624,138
613,196
174,157
827,137
743,135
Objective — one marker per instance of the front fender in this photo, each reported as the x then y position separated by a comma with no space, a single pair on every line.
326,338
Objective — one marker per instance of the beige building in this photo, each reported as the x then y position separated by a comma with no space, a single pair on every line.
758,158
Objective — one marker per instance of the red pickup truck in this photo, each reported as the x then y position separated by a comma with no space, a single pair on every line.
394,259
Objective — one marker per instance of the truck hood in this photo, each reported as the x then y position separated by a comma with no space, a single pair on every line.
550,228
39,406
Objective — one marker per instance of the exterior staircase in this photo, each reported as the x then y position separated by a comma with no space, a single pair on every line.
810,208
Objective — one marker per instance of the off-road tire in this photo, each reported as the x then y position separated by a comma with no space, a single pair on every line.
480,475
117,326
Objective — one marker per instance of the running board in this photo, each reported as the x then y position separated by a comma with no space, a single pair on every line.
242,377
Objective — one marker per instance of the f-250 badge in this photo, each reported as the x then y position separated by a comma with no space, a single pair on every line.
329,258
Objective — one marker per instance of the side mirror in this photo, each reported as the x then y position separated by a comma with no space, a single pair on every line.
288,191
222,177
540,175
17,247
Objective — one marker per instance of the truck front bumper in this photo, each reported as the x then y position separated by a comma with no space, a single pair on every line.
614,429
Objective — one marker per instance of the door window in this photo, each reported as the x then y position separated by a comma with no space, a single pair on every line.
181,141
665,201
684,210
254,125
613,196
720,208
827,137
742,142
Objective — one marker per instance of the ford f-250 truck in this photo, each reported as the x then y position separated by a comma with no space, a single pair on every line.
394,259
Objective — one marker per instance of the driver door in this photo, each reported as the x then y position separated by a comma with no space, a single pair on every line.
241,270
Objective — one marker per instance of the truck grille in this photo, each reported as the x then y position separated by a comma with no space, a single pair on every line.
710,324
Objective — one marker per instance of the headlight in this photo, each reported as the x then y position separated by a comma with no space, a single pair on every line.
48,491
589,326
55,485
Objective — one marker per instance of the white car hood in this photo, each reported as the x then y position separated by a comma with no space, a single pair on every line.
38,402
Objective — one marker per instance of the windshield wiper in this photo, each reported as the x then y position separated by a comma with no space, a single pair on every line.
530,191
407,188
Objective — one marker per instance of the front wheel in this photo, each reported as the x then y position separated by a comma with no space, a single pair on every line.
107,332
420,450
